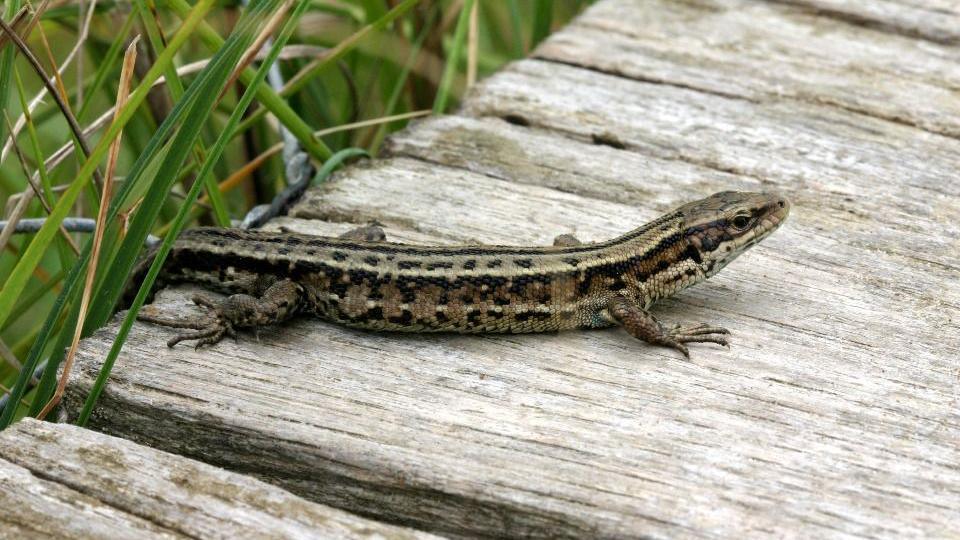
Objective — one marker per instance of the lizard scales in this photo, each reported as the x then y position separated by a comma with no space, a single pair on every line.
384,286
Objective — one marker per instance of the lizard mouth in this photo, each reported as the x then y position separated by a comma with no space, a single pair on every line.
776,213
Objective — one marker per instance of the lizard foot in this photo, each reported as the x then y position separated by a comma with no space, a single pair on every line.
699,333
279,302
641,324
207,329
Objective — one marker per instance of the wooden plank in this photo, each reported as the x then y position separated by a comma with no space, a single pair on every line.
820,152
935,20
60,481
834,413
766,51
494,148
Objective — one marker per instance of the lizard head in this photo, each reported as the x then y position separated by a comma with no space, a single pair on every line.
724,225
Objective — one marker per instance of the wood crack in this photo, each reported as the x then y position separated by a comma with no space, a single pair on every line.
817,101
648,80
87,491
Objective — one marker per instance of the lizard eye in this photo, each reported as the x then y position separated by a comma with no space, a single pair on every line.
741,221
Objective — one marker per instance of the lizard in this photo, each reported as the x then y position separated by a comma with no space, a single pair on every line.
360,280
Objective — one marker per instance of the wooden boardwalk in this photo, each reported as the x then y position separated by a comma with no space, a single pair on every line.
835,413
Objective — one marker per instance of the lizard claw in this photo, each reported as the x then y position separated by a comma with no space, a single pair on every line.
699,333
677,336
682,348
206,330
209,334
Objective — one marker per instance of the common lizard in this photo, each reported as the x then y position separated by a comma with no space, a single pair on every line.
360,280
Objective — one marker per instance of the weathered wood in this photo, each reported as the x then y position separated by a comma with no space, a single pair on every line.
935,20
820,153
60,481
762,51
835,411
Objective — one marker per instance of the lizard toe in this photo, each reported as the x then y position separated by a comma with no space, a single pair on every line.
698,330
209,334
719,340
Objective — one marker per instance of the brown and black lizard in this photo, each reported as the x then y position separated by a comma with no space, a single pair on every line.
362,281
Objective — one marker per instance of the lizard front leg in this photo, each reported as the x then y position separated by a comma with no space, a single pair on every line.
641,324
279,302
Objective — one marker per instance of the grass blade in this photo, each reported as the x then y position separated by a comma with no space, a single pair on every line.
28,261
175,87
456,49
126,74
6,62
265,95
311,70
473,42
516,27
335,161
402,80
147,166
105,66
542,20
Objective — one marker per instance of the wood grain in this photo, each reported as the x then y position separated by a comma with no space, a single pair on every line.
833,414
761,51
60,481
934,20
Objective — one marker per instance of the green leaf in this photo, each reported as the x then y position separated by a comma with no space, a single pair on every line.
265,95
316,67
401,80
456,50
516,28
175,87
39,345
335,161
105,67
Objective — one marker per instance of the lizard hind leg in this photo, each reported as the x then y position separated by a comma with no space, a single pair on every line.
371,232
279,302
642,325
566,240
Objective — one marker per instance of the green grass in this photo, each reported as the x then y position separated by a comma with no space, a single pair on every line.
208,131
